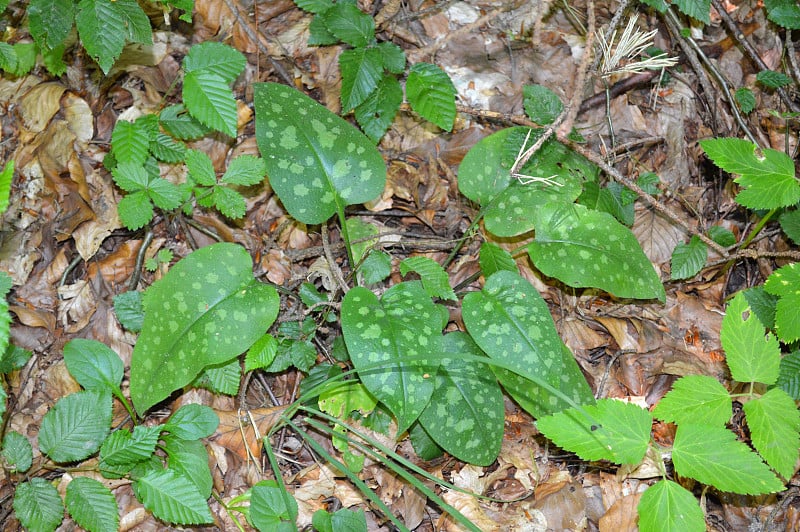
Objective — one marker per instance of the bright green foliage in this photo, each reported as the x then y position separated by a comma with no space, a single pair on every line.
342,520
220,378
434,279
94,365
785,283
6,177
91,505
790,223
244,170
50,21
38,505
360,235
431,94
172,497
784,13
189,459
745,99
697,9
789,377
493,259
177,121
510,321
589,248
752,356
695,399
381,334
76,426
465,416
271,508
130,141
610,199
206,310
768,180
666,506
122,448
316,162
376,113
5,320
772,79
349,24
164,256
721,236
17,451
541,104
376,267
763,304
713,456
688,259
129,310
165,148
346,397
136,208
262,353
361,71
774,422
105,26
610,430
192,422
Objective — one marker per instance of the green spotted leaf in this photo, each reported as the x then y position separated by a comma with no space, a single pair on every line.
206,310
381,333
510,321
315,160
668,506
581,247
465,416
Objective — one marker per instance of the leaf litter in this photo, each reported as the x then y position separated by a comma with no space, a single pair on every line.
68,255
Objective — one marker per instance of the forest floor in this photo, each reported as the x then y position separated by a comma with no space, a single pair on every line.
69,255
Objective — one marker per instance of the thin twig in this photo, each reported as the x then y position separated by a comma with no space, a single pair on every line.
755,255
137,267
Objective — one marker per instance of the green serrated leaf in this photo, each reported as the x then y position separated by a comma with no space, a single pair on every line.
394,58
745,99
768,180
245,170
510,321
581,248
76,426
377,112
177,121
8,57
423,444
165,195
347,397
17,451
54,60
94,365
210,100
262,353
314,6
361,71
668,507
465,415
349,24
135,210
92,505
318,34
99,23
315,160
221,378
688,259
172,497
192,422
38,505
493,259
431,94
185,5
614,430
129,310
721,236
784,13
165,148
434,279
774,422
229,202
763,304
607,199
189,458
201,169
790,223
713,456
130,143
541,104
697,9
696,399
784,283
206,310
270,506
215,58
6,178
376,267
135,21
752,355
123,448
339,521
13,359
26,57
659,5
789,377
772,79
50,21
401,324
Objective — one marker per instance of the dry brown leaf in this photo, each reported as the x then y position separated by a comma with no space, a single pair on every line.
77,304
236,430
34,318
657,235
79,117
40,104
622,515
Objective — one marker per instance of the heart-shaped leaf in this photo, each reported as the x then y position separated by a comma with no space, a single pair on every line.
316,162
207,310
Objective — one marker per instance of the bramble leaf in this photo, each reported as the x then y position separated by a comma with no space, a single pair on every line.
123,448
245,170
789,377
541,104
377,112
697,9
210,100
99,23
785,283
688,259
668,506
17,451
752,355
192,422
50,21
774,422
215,58
493,259
434,279
349,24
431,94
696,399
361,70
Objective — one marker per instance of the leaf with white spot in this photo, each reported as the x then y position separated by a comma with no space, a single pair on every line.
315,160
581,247
510,321
207,310
465,415
380,334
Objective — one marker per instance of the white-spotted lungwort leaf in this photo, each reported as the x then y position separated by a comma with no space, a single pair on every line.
207,310
465,416
510,321
315,160
380,334
581,247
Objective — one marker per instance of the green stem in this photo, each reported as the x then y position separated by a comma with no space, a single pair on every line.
345,235
757,229
463,239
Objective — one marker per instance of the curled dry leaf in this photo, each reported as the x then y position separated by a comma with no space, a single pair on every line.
240,430
76,306
40,104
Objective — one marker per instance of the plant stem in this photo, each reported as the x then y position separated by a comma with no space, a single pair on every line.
345,234
460,243
757,229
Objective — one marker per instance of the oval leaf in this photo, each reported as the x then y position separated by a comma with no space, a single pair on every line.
38,505
93,364
172,497
92,505
315,160
207,310
431,94
76,426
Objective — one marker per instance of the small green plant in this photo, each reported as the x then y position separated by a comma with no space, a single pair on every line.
369,69
163,257
104,28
